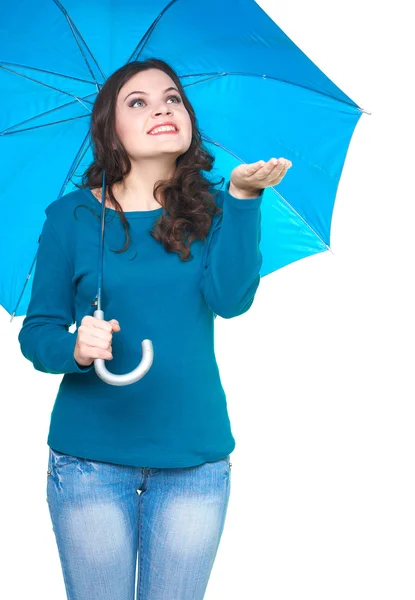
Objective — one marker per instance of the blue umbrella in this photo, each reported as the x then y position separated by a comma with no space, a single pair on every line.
270,100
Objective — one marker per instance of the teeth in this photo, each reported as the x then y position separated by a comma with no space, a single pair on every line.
163,128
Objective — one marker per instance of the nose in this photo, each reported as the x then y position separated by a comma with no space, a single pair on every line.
167,110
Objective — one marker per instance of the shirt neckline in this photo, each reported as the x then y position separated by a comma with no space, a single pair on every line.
130,214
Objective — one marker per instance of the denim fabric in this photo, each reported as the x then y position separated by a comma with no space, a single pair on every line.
136,533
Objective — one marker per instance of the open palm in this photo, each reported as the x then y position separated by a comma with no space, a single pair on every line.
259,175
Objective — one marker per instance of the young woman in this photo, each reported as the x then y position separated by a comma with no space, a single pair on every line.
139,475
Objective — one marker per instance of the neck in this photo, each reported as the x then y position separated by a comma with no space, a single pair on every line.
136,190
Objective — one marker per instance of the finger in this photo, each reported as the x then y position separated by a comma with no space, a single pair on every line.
275,179
281,161
278,170
271,170
97,353
283,164
275,163
100,334
276,174
97,343
101,324
100,353
254,167
91,351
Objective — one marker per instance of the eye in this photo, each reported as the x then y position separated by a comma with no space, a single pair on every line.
141,100
177,98
134,101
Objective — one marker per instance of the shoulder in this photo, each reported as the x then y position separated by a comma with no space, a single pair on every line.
61,212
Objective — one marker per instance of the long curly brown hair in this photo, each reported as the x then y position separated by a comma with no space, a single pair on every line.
186,195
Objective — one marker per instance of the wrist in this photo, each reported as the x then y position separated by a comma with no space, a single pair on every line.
243,194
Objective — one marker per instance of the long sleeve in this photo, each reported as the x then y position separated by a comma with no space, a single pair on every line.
233,260
44,337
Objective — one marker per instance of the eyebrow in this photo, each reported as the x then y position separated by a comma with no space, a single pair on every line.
146,94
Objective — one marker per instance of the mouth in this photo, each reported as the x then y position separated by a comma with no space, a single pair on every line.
164,129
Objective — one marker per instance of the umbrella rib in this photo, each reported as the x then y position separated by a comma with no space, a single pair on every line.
45,125
274,190
75,32
75,162
31,68
247,74
149,31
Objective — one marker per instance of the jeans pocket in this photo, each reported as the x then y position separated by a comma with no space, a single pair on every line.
58,460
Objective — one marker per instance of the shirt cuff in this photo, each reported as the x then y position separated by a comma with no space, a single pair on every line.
243,203
81,369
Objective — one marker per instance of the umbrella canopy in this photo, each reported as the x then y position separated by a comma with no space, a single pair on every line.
255,93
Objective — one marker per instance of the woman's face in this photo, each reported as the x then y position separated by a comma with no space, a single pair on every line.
137,112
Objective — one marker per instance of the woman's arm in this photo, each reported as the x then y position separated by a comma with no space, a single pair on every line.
44,337
230,275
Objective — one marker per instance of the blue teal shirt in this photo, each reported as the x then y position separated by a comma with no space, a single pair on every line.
176,415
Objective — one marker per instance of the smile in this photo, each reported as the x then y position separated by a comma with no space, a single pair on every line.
165,129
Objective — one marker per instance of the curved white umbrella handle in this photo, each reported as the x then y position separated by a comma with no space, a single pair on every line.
139,372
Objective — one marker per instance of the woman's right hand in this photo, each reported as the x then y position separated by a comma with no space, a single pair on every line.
94,340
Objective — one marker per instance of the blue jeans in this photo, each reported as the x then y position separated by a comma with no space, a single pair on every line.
106,516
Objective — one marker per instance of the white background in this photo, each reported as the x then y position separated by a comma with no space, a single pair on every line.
318,373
